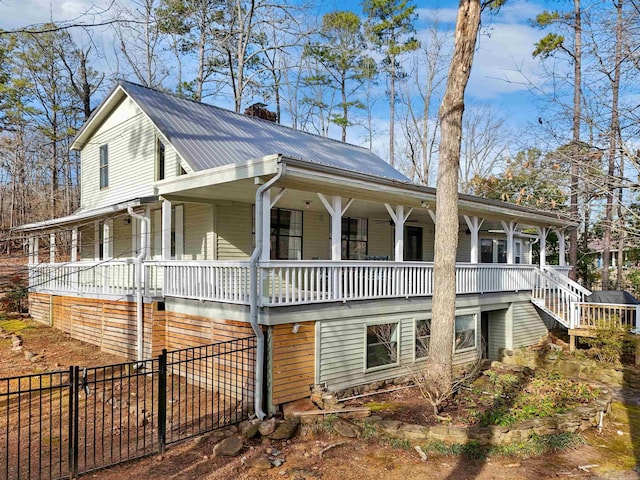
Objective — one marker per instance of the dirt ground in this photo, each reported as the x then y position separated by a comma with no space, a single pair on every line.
611,454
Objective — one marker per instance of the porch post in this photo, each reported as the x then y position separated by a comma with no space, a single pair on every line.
509,230
74,244
36,248
562,246
542,234
474,224
31,243
166,229
52,248
265,256
97,235
399,218
336,211
107,227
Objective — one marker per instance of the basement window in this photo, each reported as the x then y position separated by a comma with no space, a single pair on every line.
423,335
382,345
465,333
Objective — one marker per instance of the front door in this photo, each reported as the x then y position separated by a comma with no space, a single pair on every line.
413,244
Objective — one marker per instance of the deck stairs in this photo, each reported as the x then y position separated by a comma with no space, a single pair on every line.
555,294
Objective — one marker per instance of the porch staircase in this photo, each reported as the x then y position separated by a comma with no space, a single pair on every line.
554,293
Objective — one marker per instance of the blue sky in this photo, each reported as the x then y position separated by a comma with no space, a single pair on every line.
502,62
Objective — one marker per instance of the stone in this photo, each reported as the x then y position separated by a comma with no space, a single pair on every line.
305,405
347,429
248,429
259,463
267,427
229,447
284,431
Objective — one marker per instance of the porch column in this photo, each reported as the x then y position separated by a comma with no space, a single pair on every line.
562,247
166,229
52,248
542,234
398,216
74,244
509,230
97,238
107,228
336,211
33,250
474,224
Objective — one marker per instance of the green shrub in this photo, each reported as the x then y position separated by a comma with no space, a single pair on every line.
608,343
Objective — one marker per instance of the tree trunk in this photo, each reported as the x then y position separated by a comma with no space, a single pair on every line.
613,149
577,86
446,238
392,111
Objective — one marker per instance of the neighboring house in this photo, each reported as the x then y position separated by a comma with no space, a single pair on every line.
198,224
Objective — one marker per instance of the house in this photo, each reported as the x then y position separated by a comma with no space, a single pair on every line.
198,224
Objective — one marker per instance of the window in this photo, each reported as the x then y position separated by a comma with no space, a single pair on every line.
286,234
465,333
423,334
382,345
354,238
517,251
104,166
486,250
160,168
181,170
502,251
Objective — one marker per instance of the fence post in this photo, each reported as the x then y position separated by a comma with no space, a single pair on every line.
73,421
162,401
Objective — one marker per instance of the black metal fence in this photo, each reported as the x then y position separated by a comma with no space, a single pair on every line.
61,424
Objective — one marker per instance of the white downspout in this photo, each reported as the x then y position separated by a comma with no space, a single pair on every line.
253,291
139,260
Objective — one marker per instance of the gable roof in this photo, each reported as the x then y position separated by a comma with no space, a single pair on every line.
206,136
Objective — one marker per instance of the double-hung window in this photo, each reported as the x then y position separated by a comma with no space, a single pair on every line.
423,334
465,333
104,166
354,238
382,345
160,167
286,234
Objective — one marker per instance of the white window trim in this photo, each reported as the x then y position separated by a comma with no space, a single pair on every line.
398,324
415,338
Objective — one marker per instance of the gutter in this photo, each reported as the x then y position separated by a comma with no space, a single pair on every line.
253,290
139,263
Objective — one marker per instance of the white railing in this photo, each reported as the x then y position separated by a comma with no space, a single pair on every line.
561,278
290,283
203,280
112,277
280,282
555,296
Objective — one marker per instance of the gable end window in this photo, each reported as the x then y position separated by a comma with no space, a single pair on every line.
160,163
104,166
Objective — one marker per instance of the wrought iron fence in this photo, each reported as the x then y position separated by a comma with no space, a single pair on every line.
60,424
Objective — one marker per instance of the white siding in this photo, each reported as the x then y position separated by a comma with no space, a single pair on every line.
380,238
131,140
198,232
464,246
87,245
122,237
233,228
315,236
528,326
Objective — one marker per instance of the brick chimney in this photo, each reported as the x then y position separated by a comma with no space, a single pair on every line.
259,110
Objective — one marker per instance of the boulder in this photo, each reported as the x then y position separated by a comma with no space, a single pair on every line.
259,463
267,427
346,429
229,447
249,429
284,431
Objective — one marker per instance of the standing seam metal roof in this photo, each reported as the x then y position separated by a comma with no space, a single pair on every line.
207,136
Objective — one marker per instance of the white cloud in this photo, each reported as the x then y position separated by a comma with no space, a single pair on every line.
21,13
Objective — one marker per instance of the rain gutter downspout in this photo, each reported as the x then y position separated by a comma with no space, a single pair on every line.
253,290
144,222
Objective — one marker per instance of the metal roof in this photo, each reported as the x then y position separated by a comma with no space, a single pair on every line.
207,136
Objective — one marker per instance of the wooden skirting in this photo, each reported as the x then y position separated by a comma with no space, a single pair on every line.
293,362
40,307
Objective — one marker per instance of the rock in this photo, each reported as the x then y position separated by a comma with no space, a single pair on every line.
267,427
305,405
248,429
284,431
346,429
229,447
259,463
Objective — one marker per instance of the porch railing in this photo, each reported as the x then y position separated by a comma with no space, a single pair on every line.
290,283
605,315
280,282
